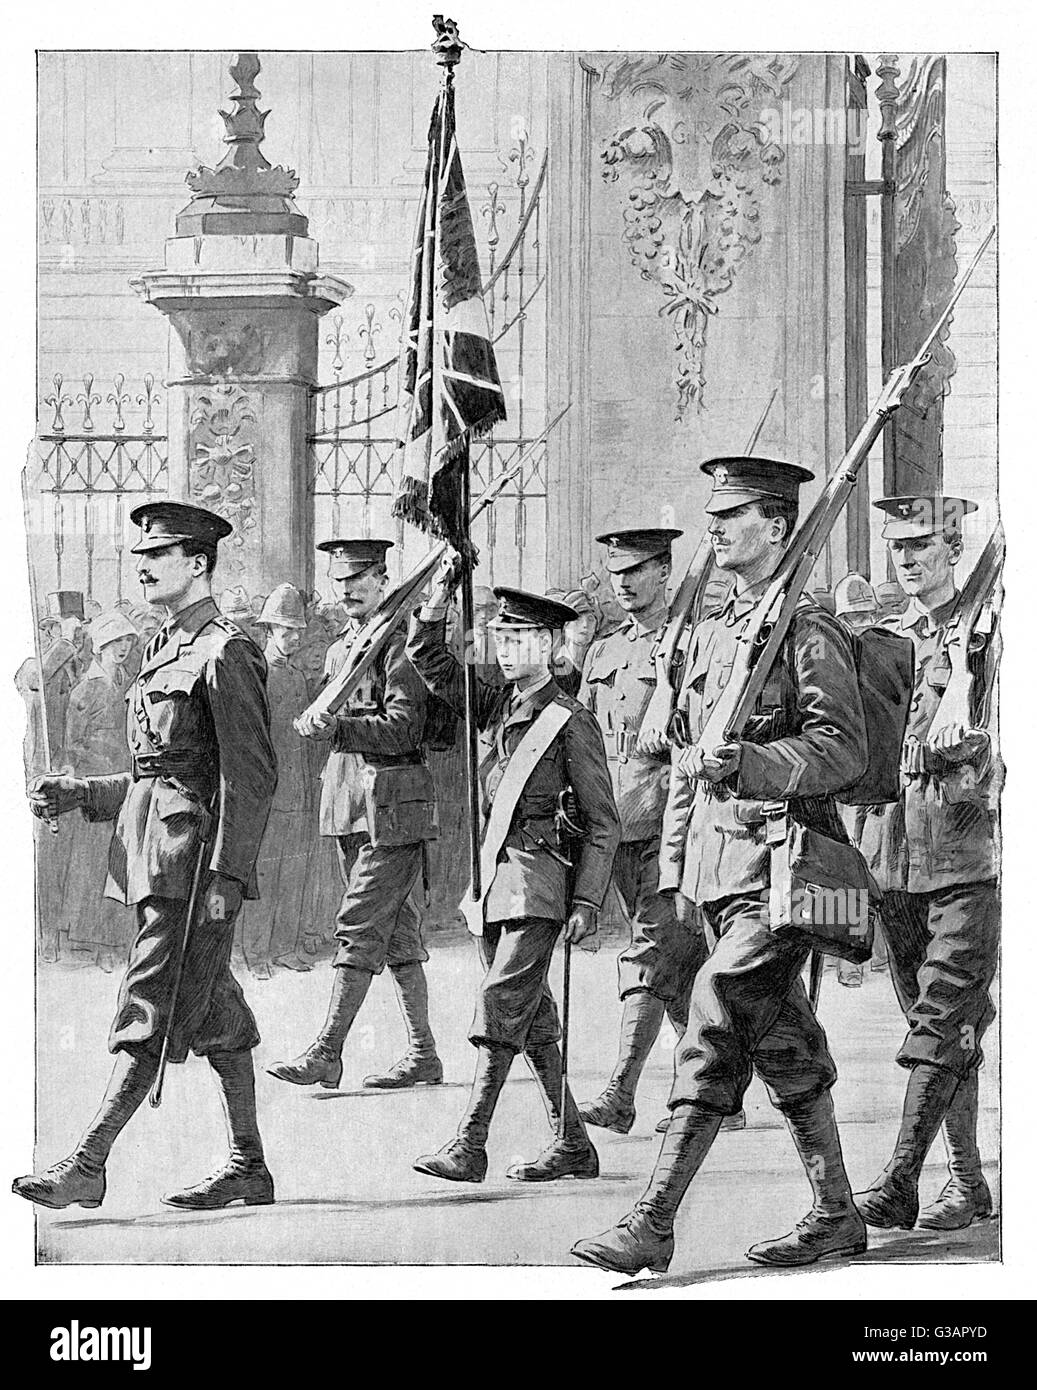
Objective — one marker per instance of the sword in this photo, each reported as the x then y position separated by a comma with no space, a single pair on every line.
155,1094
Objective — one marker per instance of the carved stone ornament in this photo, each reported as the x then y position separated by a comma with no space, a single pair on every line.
222,472
244,169
226,350
695,148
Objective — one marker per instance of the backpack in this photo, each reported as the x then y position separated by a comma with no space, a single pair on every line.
885,663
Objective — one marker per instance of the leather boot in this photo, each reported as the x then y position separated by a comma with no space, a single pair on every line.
643,1239
892,1199
570,1154
321,1063
832,1226
729,1123
80,1178
614,1108
966,1196
247,1181
464,1158
244,1177
63,1184
419,1065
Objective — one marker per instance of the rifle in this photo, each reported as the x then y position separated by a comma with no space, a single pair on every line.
770,621
965,702
684,607
371,639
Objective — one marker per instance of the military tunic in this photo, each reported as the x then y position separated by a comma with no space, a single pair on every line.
935,855
380,729
198,729
618,683
807,740
531,894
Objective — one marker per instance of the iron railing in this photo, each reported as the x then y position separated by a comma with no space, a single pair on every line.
100,456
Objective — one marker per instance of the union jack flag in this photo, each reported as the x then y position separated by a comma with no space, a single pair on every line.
450,389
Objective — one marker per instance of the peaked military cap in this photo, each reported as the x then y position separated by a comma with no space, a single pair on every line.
516,608
740,480
169,523
625,549
922,516
350,557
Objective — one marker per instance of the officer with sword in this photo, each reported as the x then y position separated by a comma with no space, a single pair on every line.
190,818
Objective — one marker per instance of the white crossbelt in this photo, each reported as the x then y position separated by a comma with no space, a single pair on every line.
535,742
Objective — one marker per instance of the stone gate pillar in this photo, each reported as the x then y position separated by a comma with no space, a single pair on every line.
243,296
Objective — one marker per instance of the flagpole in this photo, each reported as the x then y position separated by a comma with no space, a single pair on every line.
470,689
448,50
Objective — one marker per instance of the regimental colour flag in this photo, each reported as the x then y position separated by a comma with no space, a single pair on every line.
450,389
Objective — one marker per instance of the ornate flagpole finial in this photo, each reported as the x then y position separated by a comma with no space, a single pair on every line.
448,43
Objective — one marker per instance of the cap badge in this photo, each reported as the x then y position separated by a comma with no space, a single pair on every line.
502,607
906,508
720,476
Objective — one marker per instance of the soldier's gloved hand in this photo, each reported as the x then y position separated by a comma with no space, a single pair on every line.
954,743
52,795
583,922
445,580
222,899
320,727
721,763
652,740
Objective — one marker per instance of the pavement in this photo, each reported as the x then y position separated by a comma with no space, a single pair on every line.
346,1191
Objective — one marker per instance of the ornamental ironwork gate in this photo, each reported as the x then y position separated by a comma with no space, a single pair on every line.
352,452
85,480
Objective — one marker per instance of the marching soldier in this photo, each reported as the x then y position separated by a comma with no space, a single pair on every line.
749,1009
378,802
935,854
657,968
541,742
194,804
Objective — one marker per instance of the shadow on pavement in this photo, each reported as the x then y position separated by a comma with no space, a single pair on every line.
977,1244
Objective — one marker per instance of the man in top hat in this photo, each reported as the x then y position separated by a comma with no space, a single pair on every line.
378,803
936,855
749,1010
96,747
270,926
657,969
62,632
195,803
544,750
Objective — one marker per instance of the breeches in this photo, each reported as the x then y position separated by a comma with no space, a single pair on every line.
376,925
515,1007
663,957
211,1014
749,1011
943,956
